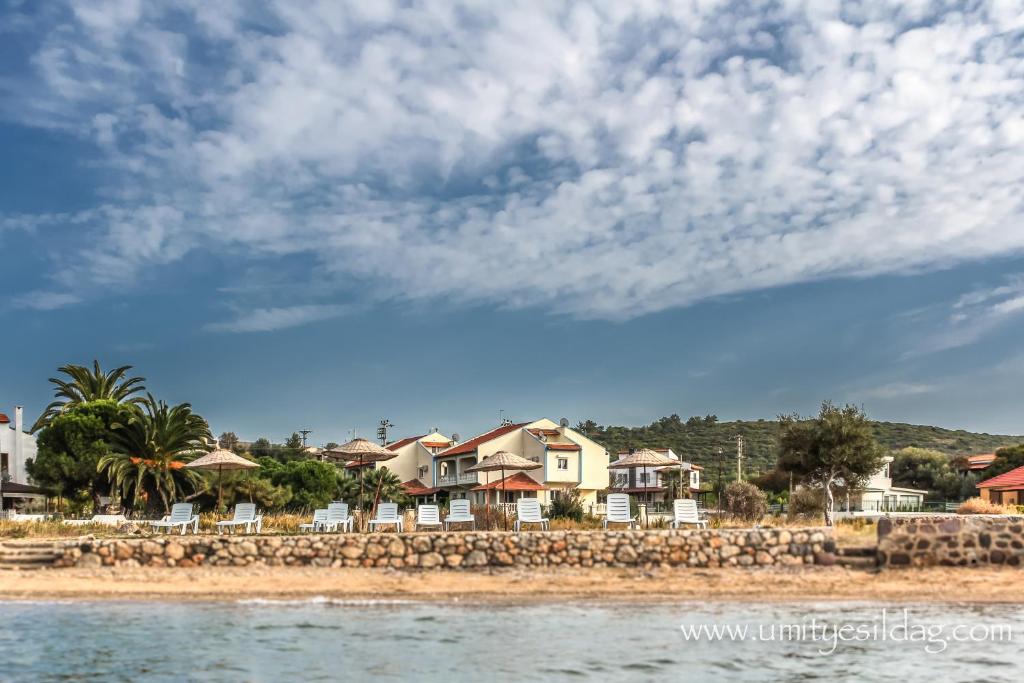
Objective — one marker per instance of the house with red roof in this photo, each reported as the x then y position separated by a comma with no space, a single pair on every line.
568,460
1004,489
413,462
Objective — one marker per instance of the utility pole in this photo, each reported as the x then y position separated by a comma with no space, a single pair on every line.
739,458
719,494
382,431
305,433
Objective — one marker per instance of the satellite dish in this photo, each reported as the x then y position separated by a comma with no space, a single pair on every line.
456,437
564,422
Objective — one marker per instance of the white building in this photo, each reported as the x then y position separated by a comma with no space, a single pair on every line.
16,446
879,495
650,480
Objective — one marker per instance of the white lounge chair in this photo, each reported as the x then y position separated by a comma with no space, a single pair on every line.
458,513
528,512
181,516
387,513
319,517
428,515
618,511
337,516
684,511
245,515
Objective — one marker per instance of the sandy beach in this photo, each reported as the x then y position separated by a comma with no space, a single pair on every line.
770,585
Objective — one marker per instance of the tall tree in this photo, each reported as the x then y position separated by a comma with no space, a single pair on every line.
151,449
69,449
85,385
382,485
1007,459
228,441
922,468
836,449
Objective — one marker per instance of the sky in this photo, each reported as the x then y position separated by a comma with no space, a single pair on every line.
320,214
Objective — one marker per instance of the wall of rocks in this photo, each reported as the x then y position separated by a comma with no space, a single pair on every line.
458,550
951,541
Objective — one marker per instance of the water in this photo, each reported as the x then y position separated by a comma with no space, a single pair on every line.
324,640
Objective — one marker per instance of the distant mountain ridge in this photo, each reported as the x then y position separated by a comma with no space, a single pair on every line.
698,439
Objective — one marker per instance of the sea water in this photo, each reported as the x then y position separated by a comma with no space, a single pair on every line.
328,640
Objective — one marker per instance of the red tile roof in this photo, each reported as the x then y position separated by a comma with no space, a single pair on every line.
563,446
355,464
4,419
538,431
404,442
980,461
471,445
415,487
1014,479
437,444
520,481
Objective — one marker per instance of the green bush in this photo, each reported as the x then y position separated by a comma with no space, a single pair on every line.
568,505
806,502
745,501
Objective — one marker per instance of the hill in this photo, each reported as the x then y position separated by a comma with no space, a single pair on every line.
699,439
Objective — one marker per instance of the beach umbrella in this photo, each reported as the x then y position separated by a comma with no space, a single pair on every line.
499,462
644,457
363,452
220,460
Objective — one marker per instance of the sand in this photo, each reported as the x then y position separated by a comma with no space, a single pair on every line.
518,585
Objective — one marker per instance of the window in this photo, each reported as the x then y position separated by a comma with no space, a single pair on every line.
563,463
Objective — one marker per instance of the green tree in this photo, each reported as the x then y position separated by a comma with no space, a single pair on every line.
261,448
382,485
229,441
150,450
313,484
1007,459
85,385
836,449
922,468
69,449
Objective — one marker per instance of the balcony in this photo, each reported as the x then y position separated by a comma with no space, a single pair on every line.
458,480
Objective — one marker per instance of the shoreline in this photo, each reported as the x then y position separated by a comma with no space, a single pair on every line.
518,586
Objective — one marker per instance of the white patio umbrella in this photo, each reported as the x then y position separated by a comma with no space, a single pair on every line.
501,461
220,460
644,457
362,451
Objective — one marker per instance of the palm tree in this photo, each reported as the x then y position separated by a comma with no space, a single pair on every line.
383,484
150,451
90,385
347,486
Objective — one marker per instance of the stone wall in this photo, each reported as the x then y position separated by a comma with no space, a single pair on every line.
626,548
951,540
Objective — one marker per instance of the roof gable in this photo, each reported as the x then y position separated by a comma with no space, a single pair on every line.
471,445
1011,478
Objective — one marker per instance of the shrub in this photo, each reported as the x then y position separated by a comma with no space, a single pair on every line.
806,502
980,506
568,505
745,501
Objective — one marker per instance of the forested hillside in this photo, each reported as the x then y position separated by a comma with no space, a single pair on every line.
699,439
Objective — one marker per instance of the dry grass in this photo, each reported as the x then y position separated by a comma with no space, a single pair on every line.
980,506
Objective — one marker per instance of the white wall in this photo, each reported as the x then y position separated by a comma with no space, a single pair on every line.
18,450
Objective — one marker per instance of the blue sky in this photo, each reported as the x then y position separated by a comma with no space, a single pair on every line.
319,214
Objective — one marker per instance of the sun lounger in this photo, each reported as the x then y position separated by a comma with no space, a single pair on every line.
319,517
337,516
618,511
181,516
245,515
458,513
684,511
428,515
528,512
387,514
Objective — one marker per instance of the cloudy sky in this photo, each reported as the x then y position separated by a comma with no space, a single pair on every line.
313,215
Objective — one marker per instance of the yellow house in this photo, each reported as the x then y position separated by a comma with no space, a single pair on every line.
414,457
569,460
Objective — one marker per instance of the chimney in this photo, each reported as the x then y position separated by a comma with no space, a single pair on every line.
16,465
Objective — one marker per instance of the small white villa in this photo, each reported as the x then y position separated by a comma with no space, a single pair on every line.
881,496
651,480
16,446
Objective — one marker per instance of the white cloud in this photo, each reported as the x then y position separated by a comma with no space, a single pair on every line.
44,301
270,319
977,314
894,390
601,160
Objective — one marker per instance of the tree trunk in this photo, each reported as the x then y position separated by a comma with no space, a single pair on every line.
829,502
